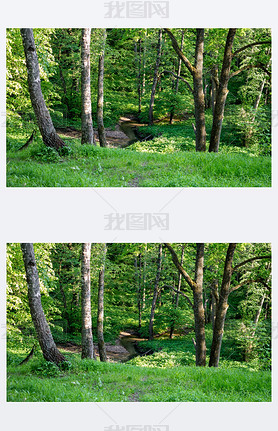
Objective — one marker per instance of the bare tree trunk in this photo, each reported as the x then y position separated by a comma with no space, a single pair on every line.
137,51
198,307
177,79
156,291
86,108
222,308
214,301
100,125
155,78
87,336
222,93
139,288
178,292
49,135
198,93
48,346
214,86
100,315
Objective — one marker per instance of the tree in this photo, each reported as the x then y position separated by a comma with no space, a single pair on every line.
87,336
100,314
101,131
48,132
155,77
156,290
86,111
46,341
196,72
198,307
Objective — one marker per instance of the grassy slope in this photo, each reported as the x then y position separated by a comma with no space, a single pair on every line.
99,167
95,381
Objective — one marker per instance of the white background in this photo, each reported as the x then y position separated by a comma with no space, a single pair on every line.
196,215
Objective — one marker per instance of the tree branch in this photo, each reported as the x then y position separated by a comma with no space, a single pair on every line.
176,262
179,77
180,292
251,260
179,52
251,66
265,42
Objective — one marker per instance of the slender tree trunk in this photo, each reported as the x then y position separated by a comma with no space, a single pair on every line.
222,93
199,312
198,307
100,315
198,92
222,307
178,75
214,86
137,51
139,288
86,108
177,294
48,346
100,125
156,291
155,78
214,301
48,132
87,336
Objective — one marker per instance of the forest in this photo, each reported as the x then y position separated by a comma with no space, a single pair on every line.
139,322
136,107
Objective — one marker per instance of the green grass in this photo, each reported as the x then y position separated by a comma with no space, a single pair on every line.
95,381
87,166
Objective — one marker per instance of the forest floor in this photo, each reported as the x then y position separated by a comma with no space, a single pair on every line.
138,156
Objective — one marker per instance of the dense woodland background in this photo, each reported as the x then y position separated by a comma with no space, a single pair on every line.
149,78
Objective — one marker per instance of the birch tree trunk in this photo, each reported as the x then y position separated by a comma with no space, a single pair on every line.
155,78
100,125
87,336
222,307
47,344
86,108
222,93
100,315
47,130
156,291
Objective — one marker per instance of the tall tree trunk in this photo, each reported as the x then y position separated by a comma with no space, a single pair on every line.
222,93
214,301
155,78
198,307
100,125
177,293
100,314
214,86
156,291
49,135
222,308
139,288
198,93
87,336
177,79
48,346
138,54
86,107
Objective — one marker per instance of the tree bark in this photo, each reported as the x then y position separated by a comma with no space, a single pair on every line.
178,77
100,315
222,307
198,307
139,288
47,344
198,92
222,93
156,291
100,125
155,78
87,336
178,292
48,132
86,108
